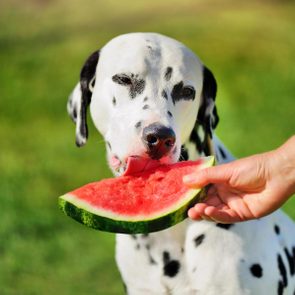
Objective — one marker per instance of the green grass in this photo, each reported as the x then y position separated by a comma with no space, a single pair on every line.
250,47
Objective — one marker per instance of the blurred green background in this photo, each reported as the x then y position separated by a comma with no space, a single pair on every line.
249,45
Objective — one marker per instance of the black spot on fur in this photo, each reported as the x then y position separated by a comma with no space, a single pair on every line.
199,239
122,79
224,225
291,260
109,145
169,114
145,107
184,154
164,94
92,83
209,121
277,229
168,73
166,256
171,267
283,282
152,260
136,86
145,99
202,145
137,247
114,101
222,152
74,114
138,124
181,92
195,138
148,247
87,75
134,237
256,270
280,288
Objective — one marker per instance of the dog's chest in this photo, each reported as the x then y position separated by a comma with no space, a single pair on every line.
156,261
209,259
178,260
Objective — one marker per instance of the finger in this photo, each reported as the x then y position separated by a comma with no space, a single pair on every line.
210,218
196,211
213,201
212,190
199,208
207,218
212,198
222,216
194,215
201,215
217,174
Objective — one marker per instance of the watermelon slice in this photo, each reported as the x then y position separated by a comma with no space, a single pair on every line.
149,197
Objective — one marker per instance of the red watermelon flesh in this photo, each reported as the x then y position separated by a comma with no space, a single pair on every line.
148,197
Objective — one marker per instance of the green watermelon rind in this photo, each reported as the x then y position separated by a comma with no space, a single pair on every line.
107,224
107,221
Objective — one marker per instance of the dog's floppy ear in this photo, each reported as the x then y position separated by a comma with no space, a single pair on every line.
80,98
207,115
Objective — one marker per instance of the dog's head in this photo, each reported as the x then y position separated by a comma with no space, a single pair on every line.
146,94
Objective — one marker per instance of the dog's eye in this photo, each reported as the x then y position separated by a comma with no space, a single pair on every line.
181,92
125,80
188,92
122,79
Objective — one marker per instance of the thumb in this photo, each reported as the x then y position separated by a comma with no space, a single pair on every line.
217,174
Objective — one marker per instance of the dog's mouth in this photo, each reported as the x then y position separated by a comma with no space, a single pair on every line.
136,164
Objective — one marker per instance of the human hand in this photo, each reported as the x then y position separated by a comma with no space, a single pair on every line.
245,189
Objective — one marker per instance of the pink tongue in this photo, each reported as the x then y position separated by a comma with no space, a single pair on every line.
138,164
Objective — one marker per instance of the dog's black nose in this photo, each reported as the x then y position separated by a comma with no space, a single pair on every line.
158,140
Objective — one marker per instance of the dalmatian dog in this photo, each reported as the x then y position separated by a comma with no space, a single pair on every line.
152,97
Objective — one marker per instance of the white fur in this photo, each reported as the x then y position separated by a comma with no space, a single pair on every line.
220,265
117,123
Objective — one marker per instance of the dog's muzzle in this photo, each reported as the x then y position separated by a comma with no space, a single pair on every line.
158,140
